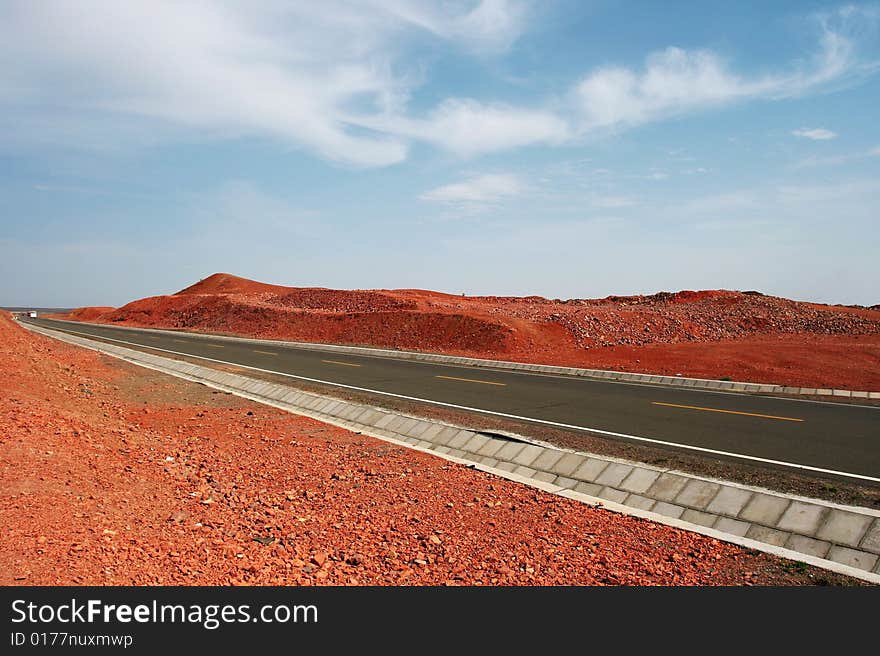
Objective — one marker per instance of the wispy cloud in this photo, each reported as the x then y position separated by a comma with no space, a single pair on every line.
335,77
676,81
837,160
673,80
288,71
816,134
490,25
468,128
480,189
795,202
851,190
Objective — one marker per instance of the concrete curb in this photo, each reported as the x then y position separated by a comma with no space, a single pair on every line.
597,374
839,538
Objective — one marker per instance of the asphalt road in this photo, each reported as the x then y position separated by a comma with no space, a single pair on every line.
841,439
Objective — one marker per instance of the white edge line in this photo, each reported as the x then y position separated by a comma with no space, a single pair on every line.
508,416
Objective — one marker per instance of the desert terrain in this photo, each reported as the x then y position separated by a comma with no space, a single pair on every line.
115,475
719,334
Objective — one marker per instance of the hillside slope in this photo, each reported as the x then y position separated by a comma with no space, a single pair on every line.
709,334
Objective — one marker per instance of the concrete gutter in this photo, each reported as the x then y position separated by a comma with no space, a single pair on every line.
843,539
598,374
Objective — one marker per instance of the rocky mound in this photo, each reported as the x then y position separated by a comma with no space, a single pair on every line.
405,329
573,332
336,301
226,283
89,313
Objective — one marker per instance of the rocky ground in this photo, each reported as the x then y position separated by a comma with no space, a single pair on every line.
111,475
721,334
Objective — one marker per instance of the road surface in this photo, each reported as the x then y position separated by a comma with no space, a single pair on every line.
840,439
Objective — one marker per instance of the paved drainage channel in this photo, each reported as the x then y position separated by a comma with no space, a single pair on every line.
840,538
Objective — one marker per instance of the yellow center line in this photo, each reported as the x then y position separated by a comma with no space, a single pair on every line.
180,341
729,412
471,380
344,364
215,345
265,352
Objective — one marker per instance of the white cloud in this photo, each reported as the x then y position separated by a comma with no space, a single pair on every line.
836,160
816,134
675,81
469,128
288,71
490,25
480,189
681,155
268,70
335,77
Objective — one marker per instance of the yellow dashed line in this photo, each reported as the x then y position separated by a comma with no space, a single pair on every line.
344,364
471,380
265,352
729,412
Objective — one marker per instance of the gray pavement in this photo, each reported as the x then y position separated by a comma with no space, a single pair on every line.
828,439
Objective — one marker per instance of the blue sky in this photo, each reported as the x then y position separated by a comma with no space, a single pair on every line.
562,148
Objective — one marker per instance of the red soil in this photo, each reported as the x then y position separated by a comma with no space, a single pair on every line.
89,313
824,361
226,283
115,475
710,334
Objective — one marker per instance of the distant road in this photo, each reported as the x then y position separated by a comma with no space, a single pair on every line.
15,308
840,439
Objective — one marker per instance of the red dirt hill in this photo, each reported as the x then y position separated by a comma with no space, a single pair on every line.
226,283
89,313
708,334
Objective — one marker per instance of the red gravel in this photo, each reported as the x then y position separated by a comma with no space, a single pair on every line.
110,474
89,313
708,334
